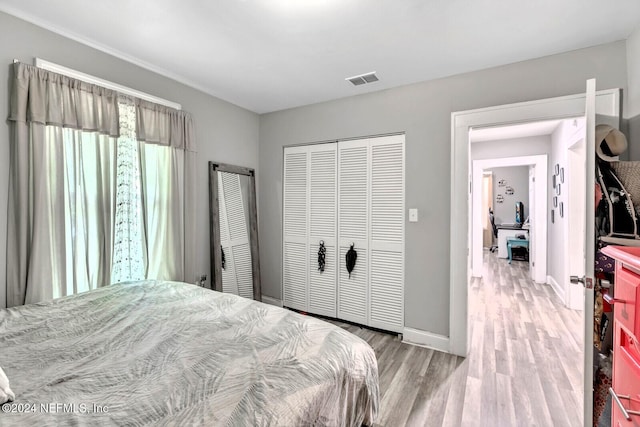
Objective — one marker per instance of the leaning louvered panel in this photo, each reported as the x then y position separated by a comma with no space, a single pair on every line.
353,178
295,276
387,190
353,291
242,264
229,284
295,192
387,290
322,285
234,236
224,228
235,206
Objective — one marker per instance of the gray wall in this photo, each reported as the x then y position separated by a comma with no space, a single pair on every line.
633,73
513,147
224,132
556,230
423,111
516,177
632,111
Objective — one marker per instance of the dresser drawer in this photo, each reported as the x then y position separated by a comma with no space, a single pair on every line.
627,287
626,377
618,420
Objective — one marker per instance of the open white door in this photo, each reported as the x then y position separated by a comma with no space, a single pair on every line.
585,276
531,219
574,198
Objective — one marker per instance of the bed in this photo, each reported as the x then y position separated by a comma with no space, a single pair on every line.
169,353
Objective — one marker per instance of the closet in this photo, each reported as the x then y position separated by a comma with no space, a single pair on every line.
337,195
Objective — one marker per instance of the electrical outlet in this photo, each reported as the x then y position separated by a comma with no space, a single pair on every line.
413,215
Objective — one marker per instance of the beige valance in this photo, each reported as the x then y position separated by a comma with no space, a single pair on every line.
157,124
49,98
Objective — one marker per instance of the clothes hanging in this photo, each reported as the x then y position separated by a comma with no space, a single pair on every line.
351,257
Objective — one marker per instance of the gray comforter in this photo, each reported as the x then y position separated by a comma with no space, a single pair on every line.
167,353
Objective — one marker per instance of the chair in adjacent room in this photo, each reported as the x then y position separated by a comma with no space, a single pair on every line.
494,245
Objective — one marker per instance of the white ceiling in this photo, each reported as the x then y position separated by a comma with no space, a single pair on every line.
268,55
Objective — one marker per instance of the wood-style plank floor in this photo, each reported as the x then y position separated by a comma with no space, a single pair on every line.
524,366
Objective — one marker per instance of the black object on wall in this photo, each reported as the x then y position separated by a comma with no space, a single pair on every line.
351,257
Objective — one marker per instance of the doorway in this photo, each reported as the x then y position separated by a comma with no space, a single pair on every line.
603,104
518,322
537,228
607,108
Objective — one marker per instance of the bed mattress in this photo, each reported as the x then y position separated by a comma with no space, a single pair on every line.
169,353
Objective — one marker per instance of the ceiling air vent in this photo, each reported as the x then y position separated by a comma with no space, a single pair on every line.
363,78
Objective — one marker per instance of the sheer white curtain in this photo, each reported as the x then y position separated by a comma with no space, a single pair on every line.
97,188
129,260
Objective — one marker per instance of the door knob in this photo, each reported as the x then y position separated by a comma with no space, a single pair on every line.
587,282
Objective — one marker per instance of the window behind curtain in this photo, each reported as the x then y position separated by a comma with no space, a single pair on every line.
146,204
85,154
79,166
72,175
128,256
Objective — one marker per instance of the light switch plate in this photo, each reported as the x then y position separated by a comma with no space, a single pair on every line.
413,215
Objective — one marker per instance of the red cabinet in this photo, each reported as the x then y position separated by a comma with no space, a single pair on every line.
626,346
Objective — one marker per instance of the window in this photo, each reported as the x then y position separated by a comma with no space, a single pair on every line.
98,188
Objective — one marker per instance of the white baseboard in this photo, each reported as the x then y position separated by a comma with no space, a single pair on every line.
271,301
557,289
425,339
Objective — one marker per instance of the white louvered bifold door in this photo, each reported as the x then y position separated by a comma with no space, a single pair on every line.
353,225
322,227
295,228
386,237
237,275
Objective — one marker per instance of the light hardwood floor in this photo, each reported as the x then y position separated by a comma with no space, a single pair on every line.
524,365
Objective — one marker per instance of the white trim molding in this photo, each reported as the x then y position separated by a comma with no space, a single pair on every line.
425,339
271,301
